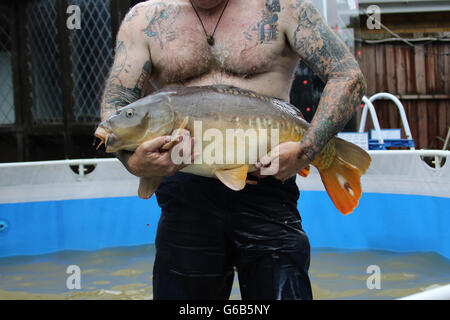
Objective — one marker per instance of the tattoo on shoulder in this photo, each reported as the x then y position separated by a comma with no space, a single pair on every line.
266,30
161,17
134,12
315,40
117,95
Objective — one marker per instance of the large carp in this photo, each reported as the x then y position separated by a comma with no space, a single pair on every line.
221,109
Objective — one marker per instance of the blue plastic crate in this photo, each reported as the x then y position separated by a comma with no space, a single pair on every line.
374,144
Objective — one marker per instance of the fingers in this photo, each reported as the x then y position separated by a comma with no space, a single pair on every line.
156,157
282,162
269,164
265,161
155,144
168,142
287,171
180,154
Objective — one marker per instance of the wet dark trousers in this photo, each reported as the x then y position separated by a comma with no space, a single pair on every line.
206,230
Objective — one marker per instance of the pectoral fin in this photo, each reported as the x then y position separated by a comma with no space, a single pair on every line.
169,144
148,186
234,179
175,135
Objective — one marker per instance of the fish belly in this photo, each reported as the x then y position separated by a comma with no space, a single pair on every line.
208,171
224,154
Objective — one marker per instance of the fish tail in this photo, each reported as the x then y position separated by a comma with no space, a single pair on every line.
342,177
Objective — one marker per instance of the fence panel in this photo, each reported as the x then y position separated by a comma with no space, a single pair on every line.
7,112
420,76
92,56
44,58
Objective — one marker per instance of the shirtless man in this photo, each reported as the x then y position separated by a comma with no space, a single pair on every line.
206,229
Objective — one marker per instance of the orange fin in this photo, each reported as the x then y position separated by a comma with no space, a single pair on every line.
342,179
234,179
305,172
342,182
148,186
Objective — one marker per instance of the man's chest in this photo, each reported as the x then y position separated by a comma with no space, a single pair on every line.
246,42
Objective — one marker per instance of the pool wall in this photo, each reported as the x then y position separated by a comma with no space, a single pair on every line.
46,207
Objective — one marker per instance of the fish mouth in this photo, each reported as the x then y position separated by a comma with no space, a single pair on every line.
105,137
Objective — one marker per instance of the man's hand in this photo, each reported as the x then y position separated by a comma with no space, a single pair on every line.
283,161
150,161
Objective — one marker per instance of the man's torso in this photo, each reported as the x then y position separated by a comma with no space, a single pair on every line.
250,51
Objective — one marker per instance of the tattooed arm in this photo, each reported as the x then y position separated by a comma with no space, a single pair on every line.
328,56
129,81
130,72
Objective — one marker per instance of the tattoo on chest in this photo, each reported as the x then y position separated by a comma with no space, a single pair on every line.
161,18
266,30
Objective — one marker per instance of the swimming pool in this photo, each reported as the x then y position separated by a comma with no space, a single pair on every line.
126,273
46,207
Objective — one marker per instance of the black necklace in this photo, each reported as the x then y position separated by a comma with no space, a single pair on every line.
209,38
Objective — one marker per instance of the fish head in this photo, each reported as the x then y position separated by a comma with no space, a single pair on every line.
131,125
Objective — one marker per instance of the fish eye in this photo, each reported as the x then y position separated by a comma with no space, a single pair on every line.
129,113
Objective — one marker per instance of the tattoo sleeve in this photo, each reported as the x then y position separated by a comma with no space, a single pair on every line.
129,75
117,94
328,56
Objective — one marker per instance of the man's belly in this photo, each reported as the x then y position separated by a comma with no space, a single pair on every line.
274,84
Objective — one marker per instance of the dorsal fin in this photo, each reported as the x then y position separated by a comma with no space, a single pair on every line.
240,91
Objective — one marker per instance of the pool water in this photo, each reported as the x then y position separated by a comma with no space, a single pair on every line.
126,273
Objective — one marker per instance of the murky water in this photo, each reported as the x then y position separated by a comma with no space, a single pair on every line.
126,273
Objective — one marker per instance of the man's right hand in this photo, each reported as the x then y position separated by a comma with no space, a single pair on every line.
150,161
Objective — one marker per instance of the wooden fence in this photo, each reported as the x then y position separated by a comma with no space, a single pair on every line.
420,77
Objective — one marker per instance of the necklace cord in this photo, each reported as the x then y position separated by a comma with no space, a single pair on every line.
217,24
